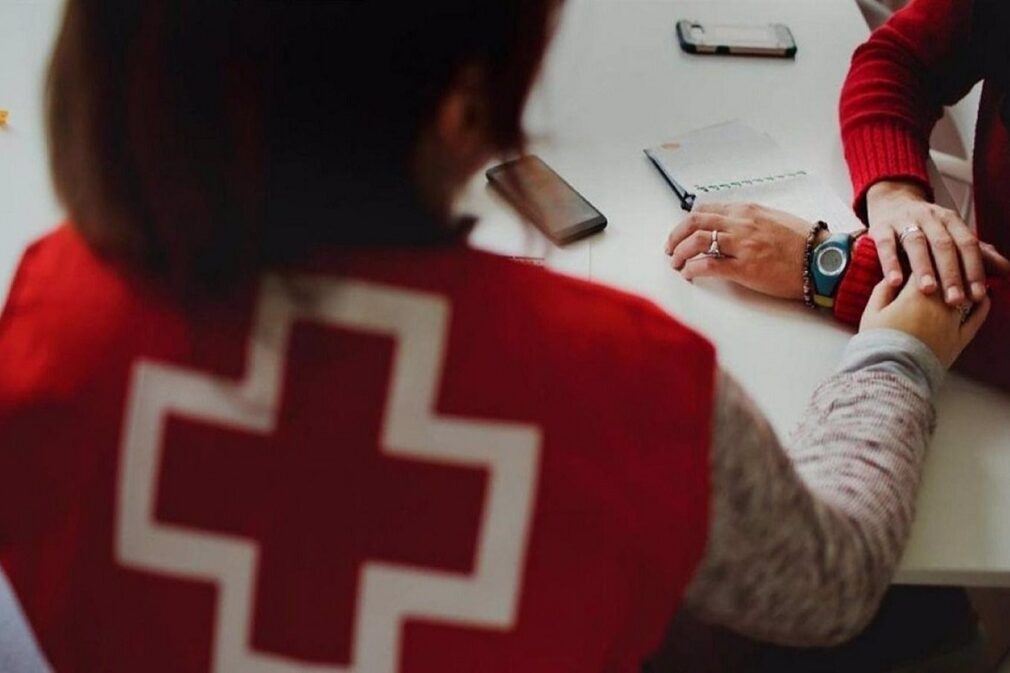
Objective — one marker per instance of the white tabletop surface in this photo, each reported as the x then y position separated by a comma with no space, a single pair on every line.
615,83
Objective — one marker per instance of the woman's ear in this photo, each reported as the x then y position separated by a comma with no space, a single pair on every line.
462,121
455,143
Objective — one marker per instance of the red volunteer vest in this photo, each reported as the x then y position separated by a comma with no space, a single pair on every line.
412,461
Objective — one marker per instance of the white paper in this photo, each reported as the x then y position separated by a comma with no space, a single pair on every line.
733,163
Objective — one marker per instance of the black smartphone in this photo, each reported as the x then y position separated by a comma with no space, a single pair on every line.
773,39
545,199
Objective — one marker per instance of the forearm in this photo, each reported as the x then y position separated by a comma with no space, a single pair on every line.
898,83
804,541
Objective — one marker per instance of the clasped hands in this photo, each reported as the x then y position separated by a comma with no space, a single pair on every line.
764,250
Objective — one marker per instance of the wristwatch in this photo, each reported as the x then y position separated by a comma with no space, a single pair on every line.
828,263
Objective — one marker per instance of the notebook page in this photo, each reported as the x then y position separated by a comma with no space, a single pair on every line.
721,154
732,162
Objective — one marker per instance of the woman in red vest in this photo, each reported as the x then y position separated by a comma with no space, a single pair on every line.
263,409
928,55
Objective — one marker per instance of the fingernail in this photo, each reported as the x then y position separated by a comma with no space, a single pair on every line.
927,283
895,278
978,291
954,295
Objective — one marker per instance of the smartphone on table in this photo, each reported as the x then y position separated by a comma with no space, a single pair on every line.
773,39
545,199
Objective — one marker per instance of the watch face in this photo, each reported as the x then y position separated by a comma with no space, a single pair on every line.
830,262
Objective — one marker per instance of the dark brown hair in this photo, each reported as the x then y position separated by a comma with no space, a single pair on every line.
200,141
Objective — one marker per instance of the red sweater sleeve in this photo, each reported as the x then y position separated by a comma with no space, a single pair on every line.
899,81
895,91
862,276
925,57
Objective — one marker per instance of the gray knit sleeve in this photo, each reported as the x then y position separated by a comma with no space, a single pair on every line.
804,539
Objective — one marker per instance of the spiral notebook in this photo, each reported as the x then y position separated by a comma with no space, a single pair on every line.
732,162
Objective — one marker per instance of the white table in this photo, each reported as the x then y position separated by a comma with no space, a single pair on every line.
615,83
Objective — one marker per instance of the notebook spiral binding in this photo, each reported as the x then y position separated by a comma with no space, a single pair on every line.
750,182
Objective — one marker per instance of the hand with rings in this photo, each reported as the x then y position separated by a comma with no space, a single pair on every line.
751,245
942,251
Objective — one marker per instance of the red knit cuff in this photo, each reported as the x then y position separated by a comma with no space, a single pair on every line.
884,150
862,276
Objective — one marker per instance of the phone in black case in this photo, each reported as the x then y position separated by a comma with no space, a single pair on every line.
544,198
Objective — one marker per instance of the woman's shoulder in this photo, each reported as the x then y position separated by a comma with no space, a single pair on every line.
58,262
68,313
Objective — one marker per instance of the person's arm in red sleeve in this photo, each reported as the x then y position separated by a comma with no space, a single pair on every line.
925,57
896,88
899,81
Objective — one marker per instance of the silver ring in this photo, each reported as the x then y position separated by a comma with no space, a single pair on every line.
907,231
713,247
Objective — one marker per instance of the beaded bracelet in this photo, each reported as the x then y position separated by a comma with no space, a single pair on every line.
808,287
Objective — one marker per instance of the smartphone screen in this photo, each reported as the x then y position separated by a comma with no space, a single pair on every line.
543,197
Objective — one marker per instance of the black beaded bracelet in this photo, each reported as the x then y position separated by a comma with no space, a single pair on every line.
808,286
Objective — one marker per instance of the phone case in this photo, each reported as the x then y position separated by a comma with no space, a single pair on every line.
691,47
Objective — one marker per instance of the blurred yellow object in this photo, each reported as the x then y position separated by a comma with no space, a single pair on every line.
3,117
